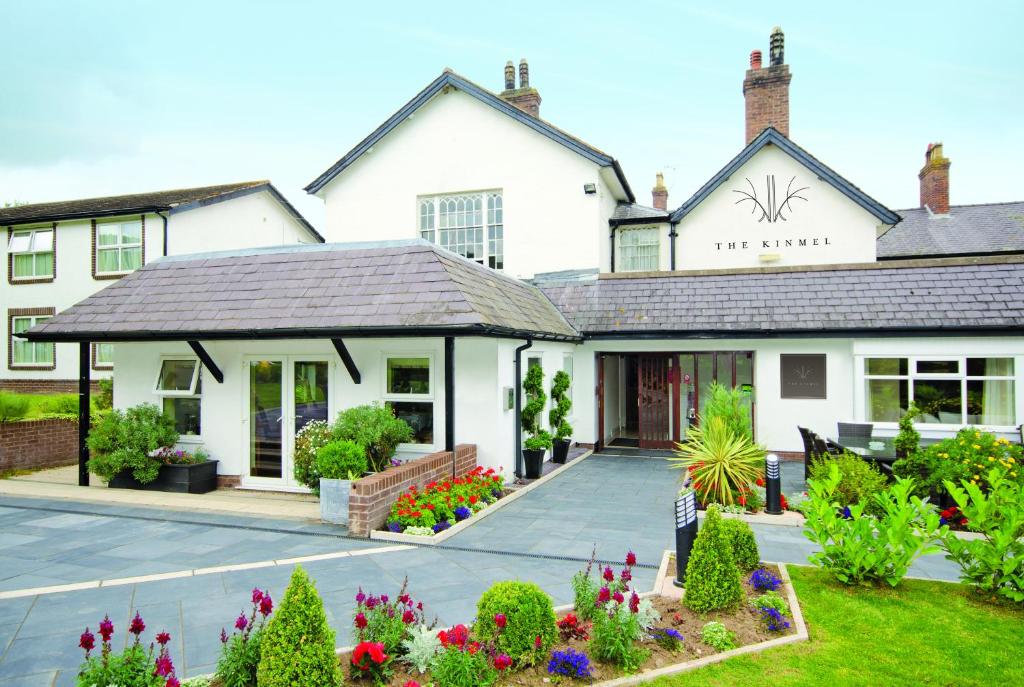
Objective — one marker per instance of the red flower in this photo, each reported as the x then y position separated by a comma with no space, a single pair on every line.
162,638
759,481
630,558
137,626
604,595
634,603
619,598
87,641
742,500
360,621
257,595
473,499
626,576
473,648
375,651
106,628
608,574
502,661
500,620
538,643
411,683
430,506
172,682
408,617
266,605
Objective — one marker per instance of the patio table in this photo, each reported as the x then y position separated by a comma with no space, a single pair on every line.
878,449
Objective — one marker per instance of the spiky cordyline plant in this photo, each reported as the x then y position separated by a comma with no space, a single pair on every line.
719,461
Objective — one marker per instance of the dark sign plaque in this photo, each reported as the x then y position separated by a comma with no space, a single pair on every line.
803,375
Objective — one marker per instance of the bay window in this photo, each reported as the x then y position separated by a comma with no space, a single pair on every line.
408,392
638,249
470,224
948,390
179,384
118,247
31,254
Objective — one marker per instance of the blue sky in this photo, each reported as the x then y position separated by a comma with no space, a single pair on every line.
118,97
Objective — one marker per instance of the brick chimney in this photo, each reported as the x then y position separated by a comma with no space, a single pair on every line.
525,98
659,194
934,178
766,90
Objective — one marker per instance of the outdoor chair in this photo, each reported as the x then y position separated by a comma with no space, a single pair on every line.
805,435
855,430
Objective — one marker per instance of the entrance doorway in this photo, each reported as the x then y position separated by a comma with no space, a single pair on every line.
649,400
282,395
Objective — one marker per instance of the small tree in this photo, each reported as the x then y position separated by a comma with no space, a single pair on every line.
533,385
297,646
908,439
375,427
561,405
712,577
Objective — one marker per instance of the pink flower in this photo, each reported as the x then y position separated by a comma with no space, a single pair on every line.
383,598
408,617
257,595
608,574
172,682
266,605
137,627
164,667
360,597
626,576
411,683
405,600
630,559
360,620
500,620
538,643
162,638
619,598
106,628
604,595
241,622
87,641
503,661
223,636
634,603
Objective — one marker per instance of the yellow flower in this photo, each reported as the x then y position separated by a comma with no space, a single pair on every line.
973,482
977,477
1010,459
977,448
1012,473
991,459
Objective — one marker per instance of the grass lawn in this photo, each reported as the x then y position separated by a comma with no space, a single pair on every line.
921,633
53,405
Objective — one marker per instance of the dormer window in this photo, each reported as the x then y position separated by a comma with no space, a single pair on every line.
638,249
470,224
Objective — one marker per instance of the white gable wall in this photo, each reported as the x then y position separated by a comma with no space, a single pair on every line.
827,228
457,143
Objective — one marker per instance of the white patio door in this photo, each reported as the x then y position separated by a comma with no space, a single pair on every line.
282,394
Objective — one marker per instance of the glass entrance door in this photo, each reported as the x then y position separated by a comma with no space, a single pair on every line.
700,370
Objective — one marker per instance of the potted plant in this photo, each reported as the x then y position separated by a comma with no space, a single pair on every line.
377,429
561,405
540,440
339,463
907,439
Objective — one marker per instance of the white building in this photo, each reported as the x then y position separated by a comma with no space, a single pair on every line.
57,253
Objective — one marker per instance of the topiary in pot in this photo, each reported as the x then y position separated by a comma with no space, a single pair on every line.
529,619
343,459
539,440
561,405
712,578
375,427
742,542
297,646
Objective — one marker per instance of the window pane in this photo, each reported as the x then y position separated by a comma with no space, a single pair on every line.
107,261
990,402
20,241
22,351
887,399
42,241
131,232
21,324
105,354
24,265
939,401
885,366
131,259
310,391
638,250
419,416
43,353
990,367
184,412
408,376
176,375
934,367
107,234
44,264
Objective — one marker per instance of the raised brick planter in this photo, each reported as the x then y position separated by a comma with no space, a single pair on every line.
373,496
34,444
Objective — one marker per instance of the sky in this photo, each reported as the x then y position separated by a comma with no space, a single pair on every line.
112,97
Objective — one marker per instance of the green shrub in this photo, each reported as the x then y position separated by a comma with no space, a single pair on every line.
376,428
297,646
730,405
771,600
105,398
719,462
742,542
967,456
313,436
907,439
560,405
859,482
857,547
585,590
12,406
123,440
64,405
615,637
993,564
529,615
533,385
712,578
341,460
717,636
456,667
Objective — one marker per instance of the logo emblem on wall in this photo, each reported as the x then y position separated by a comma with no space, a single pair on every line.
771,208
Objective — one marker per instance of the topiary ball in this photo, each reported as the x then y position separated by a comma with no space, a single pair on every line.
712,578
529,614
743,543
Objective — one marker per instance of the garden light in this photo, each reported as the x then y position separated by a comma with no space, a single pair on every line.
772,485
686,532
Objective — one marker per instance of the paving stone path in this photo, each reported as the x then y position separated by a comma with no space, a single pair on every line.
613,503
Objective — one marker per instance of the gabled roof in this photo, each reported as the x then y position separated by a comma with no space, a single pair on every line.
449,79
634,213
966,230
923,297
771,136
390,288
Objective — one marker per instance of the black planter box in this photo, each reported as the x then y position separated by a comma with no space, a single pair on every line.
184,479
560,450
534,460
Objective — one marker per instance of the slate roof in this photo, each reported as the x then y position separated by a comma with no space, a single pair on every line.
628,213
967,230
771,136
925,296
306,291
449,79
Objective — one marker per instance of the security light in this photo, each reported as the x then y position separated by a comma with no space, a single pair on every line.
590,189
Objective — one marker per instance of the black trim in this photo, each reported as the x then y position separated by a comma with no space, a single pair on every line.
87,215
625,221
517,434
84,358
207,361
672,246
164,218
449,393
860,332
346,359
940,256
611,265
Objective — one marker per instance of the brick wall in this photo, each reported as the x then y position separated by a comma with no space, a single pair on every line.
32,444
372,497
46,386
766,92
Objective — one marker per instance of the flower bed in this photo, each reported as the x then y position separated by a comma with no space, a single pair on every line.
442,503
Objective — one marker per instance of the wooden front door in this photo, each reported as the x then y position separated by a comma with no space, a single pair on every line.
654,401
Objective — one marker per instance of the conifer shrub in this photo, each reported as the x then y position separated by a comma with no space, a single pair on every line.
529,619
743,543
297,646
712,578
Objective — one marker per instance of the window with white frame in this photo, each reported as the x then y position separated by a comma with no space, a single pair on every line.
638,249
29,353
31,253
118,247
948,391
103,355
409,392
179,384
470,224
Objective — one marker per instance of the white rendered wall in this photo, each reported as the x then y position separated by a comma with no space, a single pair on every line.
455,144
721,233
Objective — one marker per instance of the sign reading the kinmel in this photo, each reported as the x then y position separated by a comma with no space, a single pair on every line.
773,243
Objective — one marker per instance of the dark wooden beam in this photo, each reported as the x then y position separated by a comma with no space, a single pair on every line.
346,358
84,360
449,393
207,361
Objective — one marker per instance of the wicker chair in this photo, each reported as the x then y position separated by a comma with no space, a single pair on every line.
807,436
855,430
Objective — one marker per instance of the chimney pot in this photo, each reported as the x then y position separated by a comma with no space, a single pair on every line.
525,98
524,74
659,194
755,59
510,76
934,178
776,44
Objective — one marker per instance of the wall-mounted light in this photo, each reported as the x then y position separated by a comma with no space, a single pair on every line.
590,189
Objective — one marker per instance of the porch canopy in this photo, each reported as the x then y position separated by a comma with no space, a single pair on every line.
334,291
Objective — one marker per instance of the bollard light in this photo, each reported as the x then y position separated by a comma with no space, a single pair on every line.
686,532
772,485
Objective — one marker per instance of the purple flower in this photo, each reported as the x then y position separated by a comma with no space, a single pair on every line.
846,513
441,526
137,627
619,598
395,526
383,598
360,597
164,666
764,580
87,641
634,603
257,595
266,605
223,636
461,513
241,622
